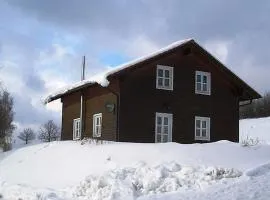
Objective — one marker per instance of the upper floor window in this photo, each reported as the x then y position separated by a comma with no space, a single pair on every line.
97,125
203,83
164,79
76,129
202,128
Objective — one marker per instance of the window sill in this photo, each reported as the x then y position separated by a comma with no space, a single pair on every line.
202,139
162,88
203,93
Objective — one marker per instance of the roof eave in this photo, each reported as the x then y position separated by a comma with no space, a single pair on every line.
55,97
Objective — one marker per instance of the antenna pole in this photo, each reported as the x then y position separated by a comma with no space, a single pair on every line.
81,109
83,69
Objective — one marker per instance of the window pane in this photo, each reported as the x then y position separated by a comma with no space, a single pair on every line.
167,82
165,129
160,72
198,123
203,132
158,138
204,79
158,129
167,73
199,79
160,82
198,132
159,120
166,120
199,87
203,124
204,87
165,138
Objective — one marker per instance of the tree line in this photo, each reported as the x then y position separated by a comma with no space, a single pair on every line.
48,131
258,108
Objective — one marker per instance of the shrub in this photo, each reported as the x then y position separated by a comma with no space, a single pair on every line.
248,141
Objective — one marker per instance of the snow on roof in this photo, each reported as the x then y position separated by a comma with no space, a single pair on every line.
101,78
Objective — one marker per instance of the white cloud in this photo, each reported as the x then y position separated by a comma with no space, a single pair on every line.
55,106
219,48
140,46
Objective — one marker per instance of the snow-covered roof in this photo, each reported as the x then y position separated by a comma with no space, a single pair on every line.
101,78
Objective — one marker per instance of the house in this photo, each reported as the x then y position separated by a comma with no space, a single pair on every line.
180,93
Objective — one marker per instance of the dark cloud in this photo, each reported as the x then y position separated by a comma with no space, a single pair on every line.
173,18
34,82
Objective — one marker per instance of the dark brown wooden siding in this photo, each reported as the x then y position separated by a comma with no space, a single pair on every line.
70,111
140,100
96,97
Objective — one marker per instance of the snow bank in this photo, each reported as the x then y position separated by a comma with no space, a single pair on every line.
140,180
68,170
70,162
89,170
255,129
259,170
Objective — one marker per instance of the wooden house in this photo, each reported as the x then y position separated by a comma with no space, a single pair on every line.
180,93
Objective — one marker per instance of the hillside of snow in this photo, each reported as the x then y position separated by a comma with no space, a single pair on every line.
255,129
76,170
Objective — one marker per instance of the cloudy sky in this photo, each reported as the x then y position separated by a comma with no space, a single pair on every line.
42,42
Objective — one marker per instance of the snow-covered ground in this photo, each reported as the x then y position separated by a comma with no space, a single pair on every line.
255,128
70,170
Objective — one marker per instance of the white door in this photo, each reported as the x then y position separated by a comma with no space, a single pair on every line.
163,127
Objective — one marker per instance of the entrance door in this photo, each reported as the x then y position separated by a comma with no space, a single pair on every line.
163,127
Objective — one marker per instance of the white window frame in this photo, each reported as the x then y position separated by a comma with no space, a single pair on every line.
208,127
208,83
95,117
170,124
76,129
163,87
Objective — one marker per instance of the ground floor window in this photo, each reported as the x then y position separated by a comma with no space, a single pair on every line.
202,128
163,127
97,125
76,129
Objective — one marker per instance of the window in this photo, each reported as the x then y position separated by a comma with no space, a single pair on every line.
203,83
164,79
76,129
202,128
97,125
163,127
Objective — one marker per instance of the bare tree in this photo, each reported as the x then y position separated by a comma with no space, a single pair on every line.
49,132
6,118
26,135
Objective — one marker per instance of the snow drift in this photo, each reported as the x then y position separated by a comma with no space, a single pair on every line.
80,170
70,170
